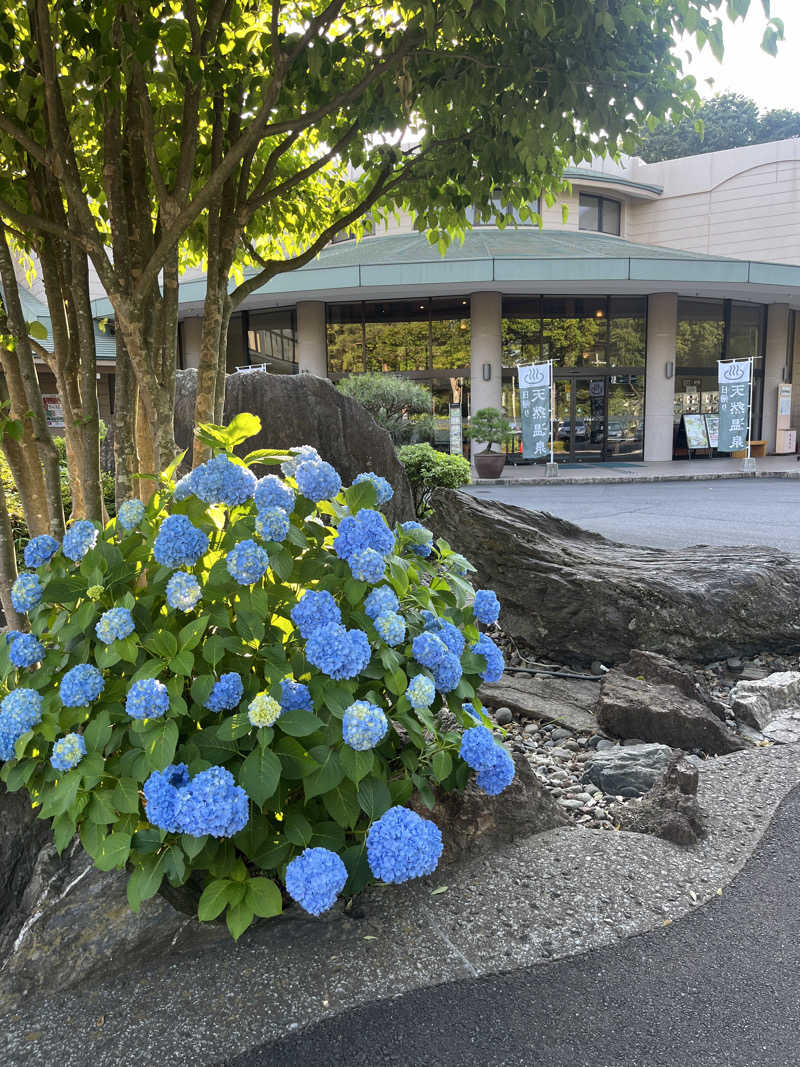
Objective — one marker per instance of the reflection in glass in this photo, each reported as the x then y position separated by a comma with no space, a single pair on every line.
701,329
272,335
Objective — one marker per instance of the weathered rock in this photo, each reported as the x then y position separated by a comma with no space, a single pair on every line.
660,669
22,836
62,921
629,707
574,595
545,697
670,809
301,409
785,729
759,701
627,772
473,822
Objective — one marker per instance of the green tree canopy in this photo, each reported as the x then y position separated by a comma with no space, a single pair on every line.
729,120
153,133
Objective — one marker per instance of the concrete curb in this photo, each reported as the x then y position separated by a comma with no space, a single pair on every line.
548,896
629,479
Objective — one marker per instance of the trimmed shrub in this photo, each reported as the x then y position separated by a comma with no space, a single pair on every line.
428,469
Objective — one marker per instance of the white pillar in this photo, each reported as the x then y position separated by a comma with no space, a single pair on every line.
486,351
191,335
774,362
312,356
659,402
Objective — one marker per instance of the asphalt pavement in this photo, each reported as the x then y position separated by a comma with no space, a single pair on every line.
671,514
718,988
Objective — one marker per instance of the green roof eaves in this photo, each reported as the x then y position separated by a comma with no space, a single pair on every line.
579,173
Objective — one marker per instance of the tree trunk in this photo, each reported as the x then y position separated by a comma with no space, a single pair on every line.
23,354
8,566
126,465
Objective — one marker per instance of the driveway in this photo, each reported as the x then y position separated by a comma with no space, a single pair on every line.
671,514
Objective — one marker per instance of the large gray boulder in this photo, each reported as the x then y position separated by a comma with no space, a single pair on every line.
628,771
630,707
300,409
575,596
761,701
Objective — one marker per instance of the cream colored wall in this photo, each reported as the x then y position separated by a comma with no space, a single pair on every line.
743,203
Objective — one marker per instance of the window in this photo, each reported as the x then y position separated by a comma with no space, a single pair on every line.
507,212
271,335
599,214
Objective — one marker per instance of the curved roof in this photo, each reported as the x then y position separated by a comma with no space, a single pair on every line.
509,260
581,174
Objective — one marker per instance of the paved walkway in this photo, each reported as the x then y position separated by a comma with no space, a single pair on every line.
719,988
672,470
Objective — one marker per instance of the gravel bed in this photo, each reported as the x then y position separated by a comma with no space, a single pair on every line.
552,895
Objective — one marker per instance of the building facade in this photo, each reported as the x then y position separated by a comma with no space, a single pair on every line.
658,271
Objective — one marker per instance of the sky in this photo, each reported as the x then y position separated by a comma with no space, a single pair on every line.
773,82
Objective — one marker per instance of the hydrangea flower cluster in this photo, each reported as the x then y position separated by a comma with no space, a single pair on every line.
68,751
81,686
300,454
210,803
447,673
247,562
495,664
183,591
78,539
178,543
263,710
130,514
486,606
26,592
338,652
315,878
114,625
20,711
493,763
423,548
271,492
366,530
295,696
368,566
221,481
317,480
428,649
147,699
448,634
364,725
383,491
380,601
421,691
315,609
391,627
226,694
40,550
494,778
25,650
272,523
402,845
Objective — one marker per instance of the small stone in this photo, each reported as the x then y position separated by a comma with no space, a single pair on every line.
734,663
570,802
633,741
597,667
604,746
560,733
503,716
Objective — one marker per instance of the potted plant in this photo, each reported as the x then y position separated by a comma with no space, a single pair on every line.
491,426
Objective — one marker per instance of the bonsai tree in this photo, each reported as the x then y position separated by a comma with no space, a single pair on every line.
489,425
428,469
400,406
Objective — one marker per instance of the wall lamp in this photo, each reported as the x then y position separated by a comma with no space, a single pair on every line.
487,372
669,368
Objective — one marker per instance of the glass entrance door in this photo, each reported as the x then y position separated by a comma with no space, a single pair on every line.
580,419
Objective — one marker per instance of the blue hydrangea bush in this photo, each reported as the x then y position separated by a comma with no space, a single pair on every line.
249,688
